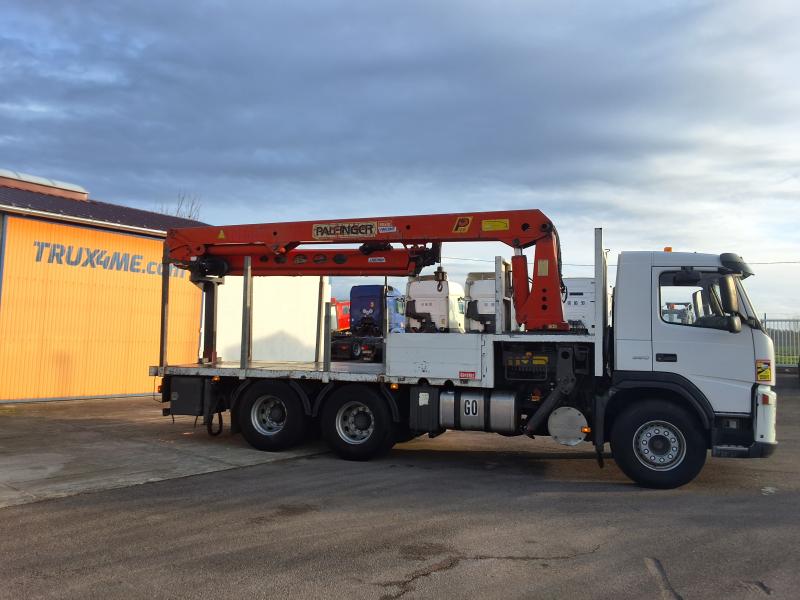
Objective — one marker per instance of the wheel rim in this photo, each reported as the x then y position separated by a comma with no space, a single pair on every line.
355,422
659,445
268,415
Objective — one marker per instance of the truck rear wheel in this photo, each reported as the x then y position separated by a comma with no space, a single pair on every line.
658,444
271,416
357,424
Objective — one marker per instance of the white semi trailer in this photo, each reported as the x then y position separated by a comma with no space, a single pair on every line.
663,394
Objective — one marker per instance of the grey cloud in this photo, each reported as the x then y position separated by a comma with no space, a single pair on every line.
617,114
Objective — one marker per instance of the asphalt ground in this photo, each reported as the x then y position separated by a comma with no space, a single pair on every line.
55,449
460,516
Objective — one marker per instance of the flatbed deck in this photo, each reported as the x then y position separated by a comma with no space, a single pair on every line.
435,357
338,370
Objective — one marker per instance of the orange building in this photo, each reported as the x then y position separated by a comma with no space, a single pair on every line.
80,292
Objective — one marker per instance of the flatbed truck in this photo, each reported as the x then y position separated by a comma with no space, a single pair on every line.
662,394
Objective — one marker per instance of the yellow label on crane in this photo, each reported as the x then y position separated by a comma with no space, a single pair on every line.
462,225
221,234
495,225
543,267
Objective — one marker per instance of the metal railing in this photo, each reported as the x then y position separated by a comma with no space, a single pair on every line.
785,334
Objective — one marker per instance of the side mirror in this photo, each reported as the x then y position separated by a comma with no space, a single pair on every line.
728,297
734,323
697,304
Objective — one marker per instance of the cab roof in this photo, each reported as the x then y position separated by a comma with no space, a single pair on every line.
671,259
728,260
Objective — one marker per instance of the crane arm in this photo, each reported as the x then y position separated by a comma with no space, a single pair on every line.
292,248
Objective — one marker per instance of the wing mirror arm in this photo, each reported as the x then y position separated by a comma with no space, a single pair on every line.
734,323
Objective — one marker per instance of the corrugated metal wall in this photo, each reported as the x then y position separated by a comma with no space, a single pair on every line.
80,308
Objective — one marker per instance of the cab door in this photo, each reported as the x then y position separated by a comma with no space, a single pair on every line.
689,340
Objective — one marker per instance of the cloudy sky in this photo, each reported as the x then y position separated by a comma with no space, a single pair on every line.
666,123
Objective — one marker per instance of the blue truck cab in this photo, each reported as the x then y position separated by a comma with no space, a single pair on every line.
364,339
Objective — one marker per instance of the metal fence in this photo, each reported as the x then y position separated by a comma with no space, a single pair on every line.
785,334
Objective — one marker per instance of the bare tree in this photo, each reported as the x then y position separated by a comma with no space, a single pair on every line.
187,206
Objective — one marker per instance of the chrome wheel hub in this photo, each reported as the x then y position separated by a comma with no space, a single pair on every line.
659,445
355,422
268,415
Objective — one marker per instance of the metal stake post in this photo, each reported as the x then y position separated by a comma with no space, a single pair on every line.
162,358
247,312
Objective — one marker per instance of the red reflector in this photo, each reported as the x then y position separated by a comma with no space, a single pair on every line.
159,389
764,399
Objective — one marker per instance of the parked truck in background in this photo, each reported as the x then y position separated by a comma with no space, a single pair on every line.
434,304
662,393
340,315
373,310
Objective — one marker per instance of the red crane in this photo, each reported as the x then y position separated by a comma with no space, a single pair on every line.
294,248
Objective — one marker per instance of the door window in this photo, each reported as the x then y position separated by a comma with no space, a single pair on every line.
691,298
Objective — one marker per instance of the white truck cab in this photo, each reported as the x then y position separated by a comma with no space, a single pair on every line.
579,305
482,292
718,358
434,304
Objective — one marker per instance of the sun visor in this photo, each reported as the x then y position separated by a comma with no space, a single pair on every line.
735,263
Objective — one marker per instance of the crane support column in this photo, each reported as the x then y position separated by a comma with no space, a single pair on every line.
539,306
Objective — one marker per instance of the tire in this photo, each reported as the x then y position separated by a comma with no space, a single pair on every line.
271,416
357,423
377,355
658,444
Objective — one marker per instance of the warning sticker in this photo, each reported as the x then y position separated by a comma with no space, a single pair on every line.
466,375
543,267
386,227
221,234
462,225
763,370
495,225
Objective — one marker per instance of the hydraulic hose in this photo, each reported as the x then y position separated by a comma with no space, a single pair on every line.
210,422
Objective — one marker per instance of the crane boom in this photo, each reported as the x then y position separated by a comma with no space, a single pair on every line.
292,248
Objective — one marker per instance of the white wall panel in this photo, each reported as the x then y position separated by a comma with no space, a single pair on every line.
284,318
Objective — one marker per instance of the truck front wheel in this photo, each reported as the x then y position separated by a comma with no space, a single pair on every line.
658,444
357,424
271,416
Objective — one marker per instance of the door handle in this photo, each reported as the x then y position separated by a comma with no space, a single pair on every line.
666,358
